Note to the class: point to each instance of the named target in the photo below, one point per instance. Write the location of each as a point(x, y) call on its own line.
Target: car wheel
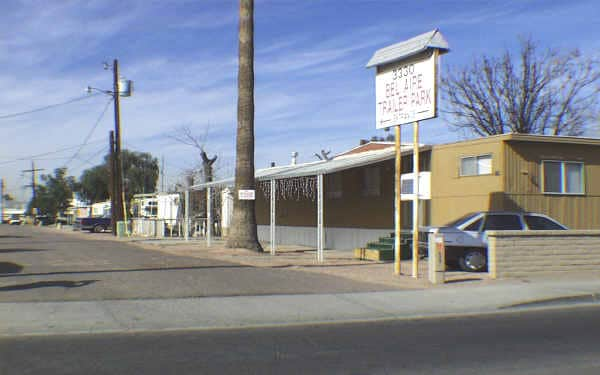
point(473, 261)
point(99, 228)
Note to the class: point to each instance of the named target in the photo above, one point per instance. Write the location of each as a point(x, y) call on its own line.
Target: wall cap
point(543, 233)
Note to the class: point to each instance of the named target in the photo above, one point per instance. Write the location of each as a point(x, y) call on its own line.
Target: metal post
point(273, 238)
point(186, 227)
point(397, 203)
point(320, 231)
point(208, 217)
point(415, 226)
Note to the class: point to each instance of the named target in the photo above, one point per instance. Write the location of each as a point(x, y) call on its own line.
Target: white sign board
point(246, 195)
point(405, 92)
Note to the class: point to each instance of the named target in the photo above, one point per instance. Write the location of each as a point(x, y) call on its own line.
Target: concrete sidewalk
point(47, 318)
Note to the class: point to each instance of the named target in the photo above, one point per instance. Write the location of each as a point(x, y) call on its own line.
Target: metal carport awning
point(313, 169)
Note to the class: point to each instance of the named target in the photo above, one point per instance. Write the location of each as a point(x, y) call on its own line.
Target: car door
point(473, 234)
point(501, 222)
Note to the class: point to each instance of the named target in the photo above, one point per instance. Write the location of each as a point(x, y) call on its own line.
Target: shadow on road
point(121, 270)
point(12, 236)
point(6, 251)
point(8, 267)
point(47, 284)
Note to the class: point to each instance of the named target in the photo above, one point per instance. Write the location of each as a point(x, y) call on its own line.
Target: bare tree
point(541, 93)
point(186, 136)
point(243, 226)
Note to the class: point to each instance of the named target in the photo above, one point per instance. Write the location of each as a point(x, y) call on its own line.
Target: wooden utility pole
point(2, 200)
point(112, 183)
point(33, 180)
point(118, 209)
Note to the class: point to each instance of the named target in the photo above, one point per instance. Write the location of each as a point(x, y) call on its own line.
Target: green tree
point(54, 196)
point(140, 170)
point(243, 227)
point(94, 184)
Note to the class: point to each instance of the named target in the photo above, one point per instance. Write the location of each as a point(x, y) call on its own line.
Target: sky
point(312, 90)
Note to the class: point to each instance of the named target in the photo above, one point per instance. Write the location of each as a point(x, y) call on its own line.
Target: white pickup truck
point(465, 239)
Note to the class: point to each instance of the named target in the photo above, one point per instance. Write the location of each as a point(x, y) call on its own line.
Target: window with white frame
point(563, 177)
point(476, 165)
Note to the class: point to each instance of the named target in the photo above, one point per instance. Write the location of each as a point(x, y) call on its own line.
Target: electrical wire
point(40, 109)
point(38, 156)
point(88, 160)
point(89, 135)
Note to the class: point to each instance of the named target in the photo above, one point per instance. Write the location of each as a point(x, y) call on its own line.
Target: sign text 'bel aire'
point(405, 92)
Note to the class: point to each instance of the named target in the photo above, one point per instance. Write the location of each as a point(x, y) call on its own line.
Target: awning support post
point(208, 217)
point(186, 226)
point(320, 231)
point(273, 238)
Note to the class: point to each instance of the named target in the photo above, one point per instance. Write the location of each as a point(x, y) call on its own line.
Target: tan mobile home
point(553, 175)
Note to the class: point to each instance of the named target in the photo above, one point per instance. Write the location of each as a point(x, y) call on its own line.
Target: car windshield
point(461, 220)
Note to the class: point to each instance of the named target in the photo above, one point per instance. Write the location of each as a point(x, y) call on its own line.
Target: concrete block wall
point(518, 253)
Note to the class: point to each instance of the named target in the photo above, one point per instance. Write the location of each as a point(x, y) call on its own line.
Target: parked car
point(45, 220)
point(465, 238)
point(15, 220)
point(93, 224)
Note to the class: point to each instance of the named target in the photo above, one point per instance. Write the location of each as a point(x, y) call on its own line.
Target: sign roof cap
point(399, 51)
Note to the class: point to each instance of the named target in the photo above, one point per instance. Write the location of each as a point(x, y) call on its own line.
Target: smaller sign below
point(246, 195)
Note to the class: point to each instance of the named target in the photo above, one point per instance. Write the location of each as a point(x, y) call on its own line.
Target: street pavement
point(43, 264)
point(52, 284)
point(550, 342)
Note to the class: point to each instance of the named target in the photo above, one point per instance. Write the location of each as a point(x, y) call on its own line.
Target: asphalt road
point(541, 342)
point(39, 264)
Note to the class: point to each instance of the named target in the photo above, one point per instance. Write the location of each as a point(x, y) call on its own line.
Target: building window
point(407, 186)
point(562, 177)
point(476, 165)
point(371, 182)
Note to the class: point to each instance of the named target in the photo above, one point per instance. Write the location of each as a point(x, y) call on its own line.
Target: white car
point(465, 239)
point(15, 220)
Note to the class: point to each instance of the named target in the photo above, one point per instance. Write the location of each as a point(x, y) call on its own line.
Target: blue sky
point(312, 89)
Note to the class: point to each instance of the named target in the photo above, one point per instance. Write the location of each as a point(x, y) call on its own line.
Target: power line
point(35, 157)
point(40, 109)
point(88, 161)
point(87, 138)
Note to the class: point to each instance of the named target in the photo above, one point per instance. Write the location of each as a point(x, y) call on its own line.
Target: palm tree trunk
point(243, 226)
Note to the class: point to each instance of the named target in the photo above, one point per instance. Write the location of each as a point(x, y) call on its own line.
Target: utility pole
point(33, 179)
point(162, 174)
point(112, 184)
point(2, 200)
point(118, 209)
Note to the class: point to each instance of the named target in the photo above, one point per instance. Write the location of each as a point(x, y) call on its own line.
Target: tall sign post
point(406, 92)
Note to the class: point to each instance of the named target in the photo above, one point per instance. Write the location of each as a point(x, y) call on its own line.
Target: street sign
point(246, 195)
point(405, 91)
